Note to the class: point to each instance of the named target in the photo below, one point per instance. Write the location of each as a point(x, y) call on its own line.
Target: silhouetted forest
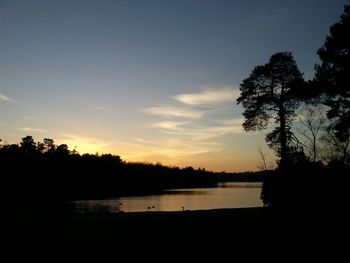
point(258, 176)
point(311, 130)
point(42, 176)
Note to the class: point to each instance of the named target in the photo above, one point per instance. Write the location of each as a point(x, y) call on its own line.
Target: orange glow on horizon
point(84, 145)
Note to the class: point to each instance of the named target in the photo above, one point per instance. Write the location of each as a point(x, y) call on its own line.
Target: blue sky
point(148, 80)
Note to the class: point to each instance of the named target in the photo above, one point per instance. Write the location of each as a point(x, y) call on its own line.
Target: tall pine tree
point(270, 93)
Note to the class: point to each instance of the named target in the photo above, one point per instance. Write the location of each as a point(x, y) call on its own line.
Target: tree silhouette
point(333, 75)
point(263, 165)
point(270, 92)
point(28, 145)
point(312, 120)
point(62, 150)
point(337, 150)
point(49, 145)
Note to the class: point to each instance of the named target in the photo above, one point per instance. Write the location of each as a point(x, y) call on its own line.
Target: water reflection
point(226, 195)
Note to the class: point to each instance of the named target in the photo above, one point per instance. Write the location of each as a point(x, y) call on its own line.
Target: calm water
point(226, 195)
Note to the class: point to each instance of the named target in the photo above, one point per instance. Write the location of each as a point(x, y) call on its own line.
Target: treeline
point(43, 176)
point(258, 176)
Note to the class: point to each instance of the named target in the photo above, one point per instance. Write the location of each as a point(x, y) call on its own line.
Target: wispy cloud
point(208, 96)
point(221, 130)
point(161, 149)
point(170, 125)
point(4, 98)
point(207, 132)
point(186, 128)
point(174, 142)
point(172, 111)
point(28, 129)
point(182, 141)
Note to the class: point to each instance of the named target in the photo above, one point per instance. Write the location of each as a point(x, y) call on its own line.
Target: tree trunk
point(283, 138)
point(314, 149)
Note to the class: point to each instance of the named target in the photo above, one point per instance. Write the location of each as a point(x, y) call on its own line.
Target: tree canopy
point(270, 92)
point(333, 75)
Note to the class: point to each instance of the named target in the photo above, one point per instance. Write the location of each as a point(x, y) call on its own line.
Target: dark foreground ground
point(246, 224)
point(222, 235)
point(145, 225)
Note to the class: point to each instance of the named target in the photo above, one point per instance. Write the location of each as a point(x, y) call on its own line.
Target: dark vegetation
point(42, 177)
point(307, 186)
point(314, 160)
point(258, 176)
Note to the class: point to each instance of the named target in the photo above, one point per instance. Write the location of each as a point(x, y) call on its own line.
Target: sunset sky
point(149, 80)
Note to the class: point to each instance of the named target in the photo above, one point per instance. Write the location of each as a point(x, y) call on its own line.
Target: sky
point(151, 81)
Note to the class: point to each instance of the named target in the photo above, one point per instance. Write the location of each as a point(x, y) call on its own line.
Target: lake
point(225, 195)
